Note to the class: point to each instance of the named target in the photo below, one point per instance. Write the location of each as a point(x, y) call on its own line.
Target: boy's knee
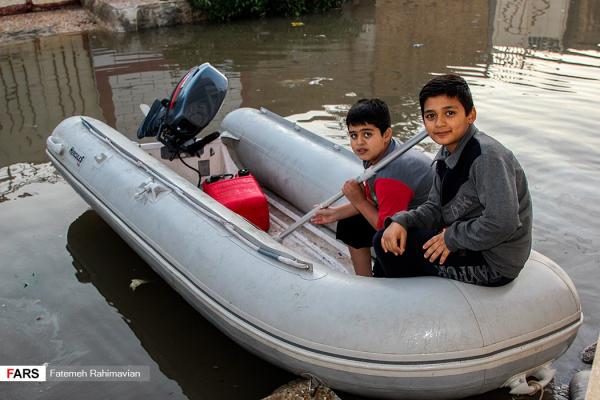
point(377, 242)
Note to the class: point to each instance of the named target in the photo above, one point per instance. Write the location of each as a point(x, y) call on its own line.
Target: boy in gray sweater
point(476, 224)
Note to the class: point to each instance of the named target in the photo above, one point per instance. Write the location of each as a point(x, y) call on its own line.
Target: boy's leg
point(464, 265)
point(411, 262)
point(357, 233)
point(361, 259)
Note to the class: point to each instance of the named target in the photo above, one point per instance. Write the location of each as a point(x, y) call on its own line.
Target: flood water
point(534, 70)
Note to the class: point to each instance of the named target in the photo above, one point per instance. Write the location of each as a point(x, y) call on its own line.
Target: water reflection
point(384, 48)
point(379, 48)
point(41, 82)
point(537, 24)
point(188, 349)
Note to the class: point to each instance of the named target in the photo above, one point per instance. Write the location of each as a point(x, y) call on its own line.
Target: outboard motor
point(194, 103)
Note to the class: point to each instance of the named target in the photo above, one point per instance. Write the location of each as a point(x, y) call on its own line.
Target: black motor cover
point(193, 104)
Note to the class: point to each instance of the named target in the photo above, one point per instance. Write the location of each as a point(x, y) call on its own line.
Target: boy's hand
point(436, 248)
point(324, 216)
point(394, 239)
point(353, 191)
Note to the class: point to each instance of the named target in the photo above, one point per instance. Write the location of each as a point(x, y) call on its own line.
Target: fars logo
point(22, 373)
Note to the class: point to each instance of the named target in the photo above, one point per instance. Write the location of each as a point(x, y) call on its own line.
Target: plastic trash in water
point(137, 282)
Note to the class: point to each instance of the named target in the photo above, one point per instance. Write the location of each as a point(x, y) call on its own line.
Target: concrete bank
point(31, 25)
point(18, 22)
point(593, 389)
point(134, 15)
point(9, 7)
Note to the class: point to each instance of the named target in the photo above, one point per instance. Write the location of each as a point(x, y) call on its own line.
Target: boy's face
point(446, 121)
point(368, 143)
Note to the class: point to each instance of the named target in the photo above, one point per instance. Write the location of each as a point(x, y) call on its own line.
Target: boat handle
point(145, 187)
point(150, 189)
point(55, 145)
point(520, 386)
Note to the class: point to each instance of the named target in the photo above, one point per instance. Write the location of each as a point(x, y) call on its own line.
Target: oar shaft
point(308, 216)
point(369, 172)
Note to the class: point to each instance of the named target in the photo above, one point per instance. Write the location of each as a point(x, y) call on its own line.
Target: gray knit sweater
point(480, 195)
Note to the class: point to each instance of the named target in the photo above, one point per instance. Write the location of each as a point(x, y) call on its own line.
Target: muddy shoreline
point(31, 25)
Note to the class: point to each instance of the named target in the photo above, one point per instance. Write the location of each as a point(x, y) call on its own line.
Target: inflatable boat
point(207, 215)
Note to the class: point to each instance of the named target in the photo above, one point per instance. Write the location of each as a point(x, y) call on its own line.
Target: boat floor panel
point(315, 243)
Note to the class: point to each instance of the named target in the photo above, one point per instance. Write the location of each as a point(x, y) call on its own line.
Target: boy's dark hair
point(451, 85)
point(369, 111)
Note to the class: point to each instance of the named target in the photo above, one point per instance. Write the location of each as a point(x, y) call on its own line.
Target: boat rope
point(538, 387)
point(266, 251)
point(246, 237)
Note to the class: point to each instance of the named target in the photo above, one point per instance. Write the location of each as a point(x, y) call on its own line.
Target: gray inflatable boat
point(296, 302)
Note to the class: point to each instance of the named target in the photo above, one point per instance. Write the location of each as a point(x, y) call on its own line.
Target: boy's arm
point(427, 216)
point(355, 193)
point(369, 211)
point(495, 182)
point(329, 215)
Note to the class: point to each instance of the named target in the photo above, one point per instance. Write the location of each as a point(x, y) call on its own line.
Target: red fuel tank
point(243, 195)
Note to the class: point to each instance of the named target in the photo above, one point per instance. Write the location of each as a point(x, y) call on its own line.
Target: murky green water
point(534, 68)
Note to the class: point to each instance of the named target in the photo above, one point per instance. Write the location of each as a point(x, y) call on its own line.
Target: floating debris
point(137, 282)
point(296, 24)
point(350, 94)
point(318, 80)
point(291, 83)
point(418, 45)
